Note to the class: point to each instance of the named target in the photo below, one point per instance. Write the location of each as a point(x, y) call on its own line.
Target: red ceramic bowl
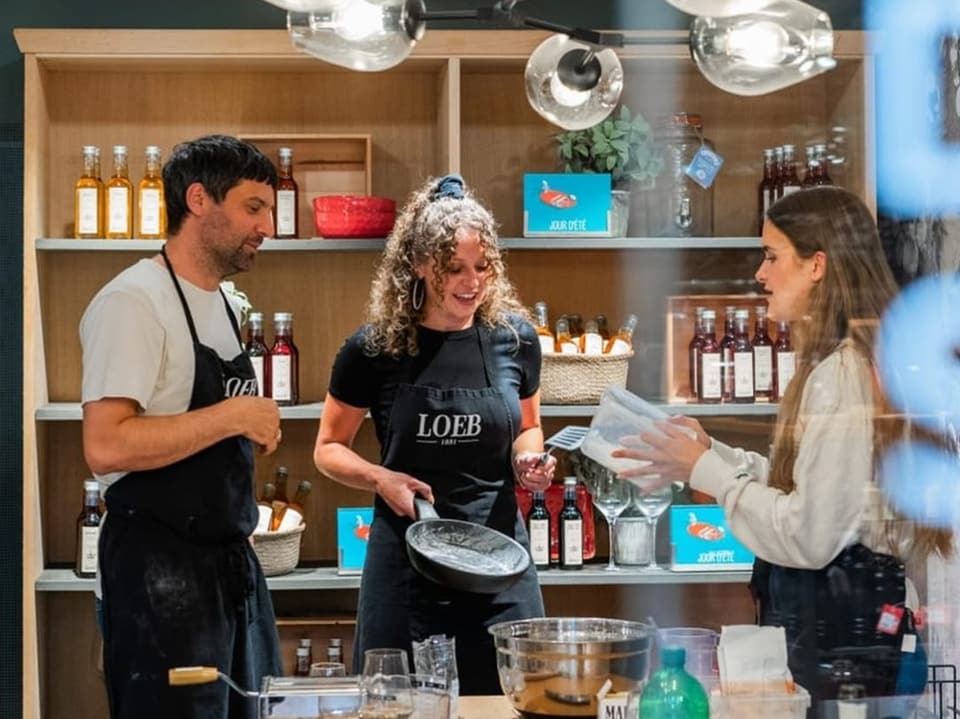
point(353, 216)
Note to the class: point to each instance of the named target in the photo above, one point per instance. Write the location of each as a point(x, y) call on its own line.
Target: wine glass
point(610, 496)
point(388, 692)
point(652, 503)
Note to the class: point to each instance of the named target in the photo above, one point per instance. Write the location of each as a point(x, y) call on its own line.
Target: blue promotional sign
point(566, 205)
point(353, 530)
point(700, 540)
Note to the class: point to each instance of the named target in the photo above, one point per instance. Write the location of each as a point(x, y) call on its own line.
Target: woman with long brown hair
point(448, 367)
point(830, 550)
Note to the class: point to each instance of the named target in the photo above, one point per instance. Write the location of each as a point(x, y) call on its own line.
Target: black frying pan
point(463, 555)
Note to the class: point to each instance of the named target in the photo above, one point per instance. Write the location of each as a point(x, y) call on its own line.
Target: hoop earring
point(418, 294)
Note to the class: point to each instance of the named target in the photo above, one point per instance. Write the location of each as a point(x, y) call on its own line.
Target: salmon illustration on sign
point(556, 198)
point(361, 530)
point(704, 530)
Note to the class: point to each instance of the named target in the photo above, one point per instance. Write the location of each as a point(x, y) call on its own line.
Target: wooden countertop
point(488, 707)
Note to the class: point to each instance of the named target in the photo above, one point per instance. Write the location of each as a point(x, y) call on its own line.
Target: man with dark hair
point(170, 420)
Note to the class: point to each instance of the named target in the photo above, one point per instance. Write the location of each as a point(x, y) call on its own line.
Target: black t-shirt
point(446, 360)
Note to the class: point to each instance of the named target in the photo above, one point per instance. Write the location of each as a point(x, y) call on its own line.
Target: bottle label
point(763, 367)
point(619, 347)
point(786, 366)
point(710, 384)
point(592, 344)
point(118, 213)
point(790, 189)
point(257, 363)
point(743, 374)
point(88, 211)
point(546, 345)
point(540, 541)
point(568, 347)
point(281, 386)
point(149, 212)
point(89, 539)
point(572, 542)
point(286, 213)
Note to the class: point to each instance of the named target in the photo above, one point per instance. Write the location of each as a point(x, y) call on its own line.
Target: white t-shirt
point(137, 344)
point(836, 501)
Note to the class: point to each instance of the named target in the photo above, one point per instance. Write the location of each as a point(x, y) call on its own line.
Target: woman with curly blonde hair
point(448, 367)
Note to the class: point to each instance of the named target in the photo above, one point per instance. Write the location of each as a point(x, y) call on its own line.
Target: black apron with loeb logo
point(459, 441)
point(181, 584)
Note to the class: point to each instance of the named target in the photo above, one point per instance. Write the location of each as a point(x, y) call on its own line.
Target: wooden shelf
point(322, 244)
point(72, 412)
point(326, 578)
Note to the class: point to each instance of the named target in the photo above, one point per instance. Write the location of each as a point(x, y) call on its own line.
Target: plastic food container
point(620, 414)
point(353, 216)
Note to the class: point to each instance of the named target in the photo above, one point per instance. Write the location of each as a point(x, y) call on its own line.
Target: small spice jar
point(685, 208)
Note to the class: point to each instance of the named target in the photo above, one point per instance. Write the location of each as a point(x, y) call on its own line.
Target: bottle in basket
point(565, 343)
point(548, 343)
point(622, 342)
point(591, 342)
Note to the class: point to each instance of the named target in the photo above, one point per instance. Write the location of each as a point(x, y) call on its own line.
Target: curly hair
point(427, 229)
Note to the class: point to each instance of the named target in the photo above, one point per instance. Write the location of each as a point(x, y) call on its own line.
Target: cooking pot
point(463, 555)
point(554, 667)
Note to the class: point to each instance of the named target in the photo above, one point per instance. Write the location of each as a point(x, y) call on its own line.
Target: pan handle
point(182, 676)
point(424, 509)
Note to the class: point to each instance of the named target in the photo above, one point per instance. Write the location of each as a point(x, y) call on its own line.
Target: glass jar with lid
point(685, 207)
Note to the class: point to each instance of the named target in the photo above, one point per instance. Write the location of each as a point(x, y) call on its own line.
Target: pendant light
point(573, 84)
point(367, 35)
point(781, 44)
point(711, 8)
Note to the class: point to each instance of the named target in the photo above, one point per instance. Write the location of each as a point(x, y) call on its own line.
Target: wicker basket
point(278, 552)
point(580, 379)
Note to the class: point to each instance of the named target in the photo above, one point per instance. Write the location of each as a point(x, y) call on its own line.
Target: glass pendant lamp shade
point(365, 35)
point(781, 44)
point(572, 84)
point(711, 8)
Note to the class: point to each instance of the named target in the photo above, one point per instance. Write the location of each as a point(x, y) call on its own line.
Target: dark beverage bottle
point(709, 379)
point(767, 190)
point(726, 355)
point(302, 668)
point(778, 171)
point(335, 650)
point(743, 384)
point(88, 530)
point(604, 328)
point(286, 198)
point(784, 360)
point(823, 169)
point(693, 355)
point(258, 353)
point(789, 180)
point(810, 176)
point(571, 528)
point(307, 643)
point(284, 361)
point(538, 527)
point(762, 359)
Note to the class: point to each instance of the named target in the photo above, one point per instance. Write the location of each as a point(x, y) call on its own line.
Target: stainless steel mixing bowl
point(554, 667)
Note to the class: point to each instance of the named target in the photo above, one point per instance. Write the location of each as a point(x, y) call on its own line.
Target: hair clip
point(448, 186)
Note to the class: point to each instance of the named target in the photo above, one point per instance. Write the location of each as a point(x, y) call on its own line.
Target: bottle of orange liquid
point(565, 343)
point(622, 341)
point(548, 343)
point(591, 341)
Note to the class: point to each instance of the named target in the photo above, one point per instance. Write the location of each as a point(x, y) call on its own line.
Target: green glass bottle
point(672, 692)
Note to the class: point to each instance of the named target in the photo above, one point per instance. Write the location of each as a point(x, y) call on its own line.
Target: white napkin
point(753, 660)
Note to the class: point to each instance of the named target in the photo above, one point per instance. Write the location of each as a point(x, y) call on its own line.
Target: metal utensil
point(569, 438)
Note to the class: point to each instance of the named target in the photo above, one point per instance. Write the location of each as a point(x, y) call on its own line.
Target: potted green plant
point(622, 145)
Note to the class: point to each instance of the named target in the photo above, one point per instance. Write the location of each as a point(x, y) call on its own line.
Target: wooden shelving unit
point(457, 105)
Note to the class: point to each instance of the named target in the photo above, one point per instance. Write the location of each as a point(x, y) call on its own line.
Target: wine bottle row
point(738, 368)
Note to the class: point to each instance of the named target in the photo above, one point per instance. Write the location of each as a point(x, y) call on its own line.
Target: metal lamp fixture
point(574, 78)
